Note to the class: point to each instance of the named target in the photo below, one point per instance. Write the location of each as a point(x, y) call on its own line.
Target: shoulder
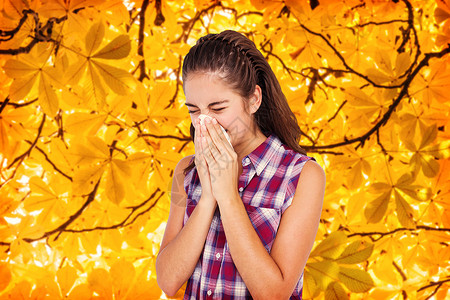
point(313, 170)
point(183, 163)
point(312, 178)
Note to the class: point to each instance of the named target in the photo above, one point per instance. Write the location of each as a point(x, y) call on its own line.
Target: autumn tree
point(92, 124)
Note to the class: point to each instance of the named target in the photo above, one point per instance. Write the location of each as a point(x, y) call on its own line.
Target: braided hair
point(235, 59)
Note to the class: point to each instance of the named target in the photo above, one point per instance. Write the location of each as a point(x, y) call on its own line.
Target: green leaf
point(335, 291)
point(118, 48)
point(357, 281)
point(356, 252)
point(332, 246)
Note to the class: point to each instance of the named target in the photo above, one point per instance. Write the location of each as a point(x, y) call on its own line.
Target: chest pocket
point(266, 222)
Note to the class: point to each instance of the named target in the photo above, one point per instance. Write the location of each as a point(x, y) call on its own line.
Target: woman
point(243, 217)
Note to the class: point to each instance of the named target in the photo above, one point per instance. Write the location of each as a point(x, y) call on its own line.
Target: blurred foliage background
point(92, 124)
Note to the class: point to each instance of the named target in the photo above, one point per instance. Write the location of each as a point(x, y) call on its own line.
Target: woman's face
point(207, 94)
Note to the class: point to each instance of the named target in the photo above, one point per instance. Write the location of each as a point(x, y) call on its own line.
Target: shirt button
point(247, 160)
point(218, 255)
point(241, 189)
point(209, 292)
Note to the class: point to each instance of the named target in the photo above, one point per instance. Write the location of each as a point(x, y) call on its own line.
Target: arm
point(274, 275)
point(181, 246)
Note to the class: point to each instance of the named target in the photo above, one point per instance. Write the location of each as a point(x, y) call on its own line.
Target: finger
point(206, 151)
point(215, 132)
point(212, 147)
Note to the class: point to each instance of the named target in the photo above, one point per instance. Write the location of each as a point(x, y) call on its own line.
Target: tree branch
point(124, 222)
point(403, 92)
point(140, 50)
point(387, 233)
point(72, 218)
point(26, 153)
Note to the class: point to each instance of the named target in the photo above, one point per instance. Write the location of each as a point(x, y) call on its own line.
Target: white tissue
point(202, 118)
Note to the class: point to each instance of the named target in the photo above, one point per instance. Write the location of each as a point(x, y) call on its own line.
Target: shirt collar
point(261, 156)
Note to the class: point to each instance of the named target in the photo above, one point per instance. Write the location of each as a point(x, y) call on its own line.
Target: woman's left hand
point(221, 160)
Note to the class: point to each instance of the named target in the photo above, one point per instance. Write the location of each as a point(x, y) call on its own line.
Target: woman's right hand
point(202, 167)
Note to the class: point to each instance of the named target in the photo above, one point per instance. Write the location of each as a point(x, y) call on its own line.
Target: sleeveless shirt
point(266, 186)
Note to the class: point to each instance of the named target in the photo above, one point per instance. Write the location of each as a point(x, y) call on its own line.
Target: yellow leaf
point(428, 136)
point(112, 239)
point(335, 291)
point(5, 276)
point(100, 282)
point(355, 177)
point(332, 246)
point(16, 68)
point(404, 211)
point(21, 87)
point(402, 63)
point(122, 275)
point(75, 71)
point(21, 290)
point(357, 97)
point(94, 87)
point(376, 209)
point(120, 81)
point(441, 15)
point(93, 150)
point(66, 278)
point(47, 98)
point(357, 281)
point(355, 205)
point(87, 124)
point(118, 172)
point(118, 48)
point(377, 76)
point(81, 292)
point(383, 60)
point(324, 272)
point(94, 37)
point(430, 166)
point(86, 178)
point(356, 252)
point(90, 241)
point(7, 204)
point(310, 289)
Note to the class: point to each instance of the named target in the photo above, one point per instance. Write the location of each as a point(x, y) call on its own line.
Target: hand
point(202, 168)
point(221, 160)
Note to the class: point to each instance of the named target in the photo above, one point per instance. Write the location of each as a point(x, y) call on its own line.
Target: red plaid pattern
point(267, 186)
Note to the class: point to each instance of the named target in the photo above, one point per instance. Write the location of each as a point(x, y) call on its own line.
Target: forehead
point(203, 88)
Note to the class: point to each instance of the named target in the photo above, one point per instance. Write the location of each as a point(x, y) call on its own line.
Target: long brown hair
point(237, 61)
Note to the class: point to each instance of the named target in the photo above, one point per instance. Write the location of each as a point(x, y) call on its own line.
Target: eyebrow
point(209, 105)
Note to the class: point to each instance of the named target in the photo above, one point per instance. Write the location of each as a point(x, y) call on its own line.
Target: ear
point(255, 100)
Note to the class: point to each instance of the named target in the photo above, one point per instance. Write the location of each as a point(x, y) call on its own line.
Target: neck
point(248, 143)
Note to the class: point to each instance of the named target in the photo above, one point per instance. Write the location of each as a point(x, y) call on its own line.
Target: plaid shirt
point(267, 186)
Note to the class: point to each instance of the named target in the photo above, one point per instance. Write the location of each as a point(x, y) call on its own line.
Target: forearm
point(257, 268)
point(176, 262)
